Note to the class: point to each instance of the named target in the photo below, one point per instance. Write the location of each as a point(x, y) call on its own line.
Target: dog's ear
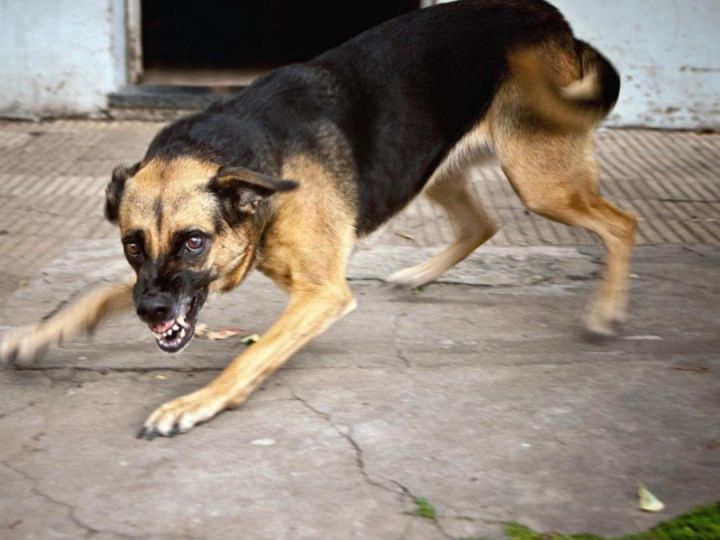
point(240, 190)
point(114, 190)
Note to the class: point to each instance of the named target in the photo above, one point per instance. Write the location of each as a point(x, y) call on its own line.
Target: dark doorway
point(202, 42)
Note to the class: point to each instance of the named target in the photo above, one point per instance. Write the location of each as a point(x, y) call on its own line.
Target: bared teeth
point(171, 333)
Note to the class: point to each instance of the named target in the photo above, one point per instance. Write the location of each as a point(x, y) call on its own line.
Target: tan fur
point(181, 185)
point(551, 165)
point(555, 174)
point(550, 80)
point(309, 235)
point(449, 187)
point(178, 186)
point(79, 318)
point(307, 246)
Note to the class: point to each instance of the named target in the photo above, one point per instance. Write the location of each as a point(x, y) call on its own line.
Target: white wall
point(63, 56)
point(60, 57)
point(668, 52)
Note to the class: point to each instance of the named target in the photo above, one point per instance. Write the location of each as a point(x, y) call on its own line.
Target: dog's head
point(188, 228)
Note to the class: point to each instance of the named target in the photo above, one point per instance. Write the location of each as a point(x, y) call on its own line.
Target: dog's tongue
point(159, 328)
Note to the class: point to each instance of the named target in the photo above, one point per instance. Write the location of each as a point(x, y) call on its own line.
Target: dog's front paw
point(24, 345)
point(180, 415)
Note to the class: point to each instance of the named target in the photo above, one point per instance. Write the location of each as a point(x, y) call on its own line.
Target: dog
point(288, 174)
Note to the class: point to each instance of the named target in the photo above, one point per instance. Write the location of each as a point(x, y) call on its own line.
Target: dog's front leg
point(308, 314)
point(27, 343)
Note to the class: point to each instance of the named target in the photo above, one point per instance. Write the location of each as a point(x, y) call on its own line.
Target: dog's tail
point(577, 106)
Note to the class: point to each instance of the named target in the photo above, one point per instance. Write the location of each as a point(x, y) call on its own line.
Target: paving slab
point(481, 393)
point(53, 176)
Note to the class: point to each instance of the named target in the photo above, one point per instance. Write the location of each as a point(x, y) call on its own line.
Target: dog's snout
point(155, 307)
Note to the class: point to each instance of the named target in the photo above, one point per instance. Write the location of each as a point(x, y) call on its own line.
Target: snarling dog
point(285, 176)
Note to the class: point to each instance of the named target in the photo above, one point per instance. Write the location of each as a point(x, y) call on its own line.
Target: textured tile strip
point(53, 175)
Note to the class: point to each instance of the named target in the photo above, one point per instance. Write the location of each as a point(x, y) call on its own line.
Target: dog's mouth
point(174, 335)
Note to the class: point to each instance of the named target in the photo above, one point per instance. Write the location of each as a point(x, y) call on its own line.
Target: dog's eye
point(194, 243)
point(133, 249)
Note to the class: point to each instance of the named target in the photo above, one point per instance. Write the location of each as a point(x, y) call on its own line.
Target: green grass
point(703, 523)
point(424, 509)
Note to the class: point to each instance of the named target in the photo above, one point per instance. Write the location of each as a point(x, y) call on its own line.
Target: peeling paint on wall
point(667, 52)
point(58, 57)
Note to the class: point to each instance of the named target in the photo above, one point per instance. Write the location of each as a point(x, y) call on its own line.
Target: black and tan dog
point(287, 175)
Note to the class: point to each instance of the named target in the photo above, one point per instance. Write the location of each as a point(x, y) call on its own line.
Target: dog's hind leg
point(555, 175)
point(25, 344)
point(471, 225)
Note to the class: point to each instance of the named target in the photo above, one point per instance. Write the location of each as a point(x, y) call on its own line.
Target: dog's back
point(412, 87)
point(413, 103)
point(395, 100)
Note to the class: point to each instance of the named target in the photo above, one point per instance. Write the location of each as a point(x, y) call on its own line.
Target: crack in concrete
point(434, 520)
point(440, 281)
point(19, 409)
point(401, 355)
point(696, 252)
point(399, 352)
point(70, 509)
point(678, 282)
point(108, 370)
point(360, 461)
point(360, 457)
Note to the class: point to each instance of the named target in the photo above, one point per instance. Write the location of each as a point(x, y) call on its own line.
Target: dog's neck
point(253, 232)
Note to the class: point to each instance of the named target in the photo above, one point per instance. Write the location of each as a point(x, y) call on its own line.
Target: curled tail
point(579, 105)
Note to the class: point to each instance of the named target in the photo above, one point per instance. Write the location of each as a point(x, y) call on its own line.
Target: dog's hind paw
point(602, 319)
point(605, 313)
point(599, 326)
point(410, 277)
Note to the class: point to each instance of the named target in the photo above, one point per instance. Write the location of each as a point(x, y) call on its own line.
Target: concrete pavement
point(481, 394)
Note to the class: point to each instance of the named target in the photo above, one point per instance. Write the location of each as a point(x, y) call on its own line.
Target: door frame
point(133, 23)
point(134, 57)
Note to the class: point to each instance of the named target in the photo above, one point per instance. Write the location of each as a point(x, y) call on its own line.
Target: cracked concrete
point(481, 394)
point(346, 432)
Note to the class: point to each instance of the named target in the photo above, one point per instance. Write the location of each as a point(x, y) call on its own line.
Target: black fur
point(160, 278)
point(609, 77)
point(114, 190)
point(390, 102)
point(240, 190)
point(169, 274)
point(158, 210)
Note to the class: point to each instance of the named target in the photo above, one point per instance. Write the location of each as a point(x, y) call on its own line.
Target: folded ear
point(114, 190)
point(240, 190)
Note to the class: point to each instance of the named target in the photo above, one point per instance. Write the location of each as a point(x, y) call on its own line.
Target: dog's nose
point(155, 308)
